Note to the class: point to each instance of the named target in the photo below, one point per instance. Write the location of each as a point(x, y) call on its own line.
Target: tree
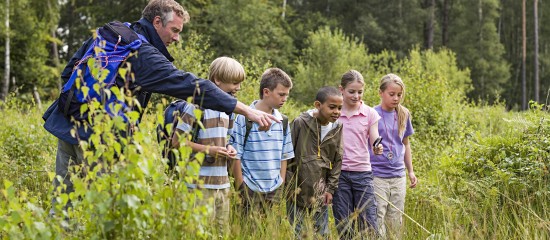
point(536, 53)
point(248, 28)
point(473, 36)
point(6, 85)
point(31, 23)
point(429, 5)
point(523, 57)
point(328, 55)
point(445, 22)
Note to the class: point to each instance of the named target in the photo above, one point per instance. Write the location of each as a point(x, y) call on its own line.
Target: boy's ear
point(216, 81)
point(266, 91)
point(317, 104)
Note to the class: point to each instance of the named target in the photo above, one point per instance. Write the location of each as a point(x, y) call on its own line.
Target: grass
point(450, 202)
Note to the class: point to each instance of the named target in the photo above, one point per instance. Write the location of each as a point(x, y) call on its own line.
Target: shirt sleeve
point(154, 73)
point(409, 128)
point(231, 126)
point(187, 118)
point(373, 116)
point(288, 148)
point(237, 138)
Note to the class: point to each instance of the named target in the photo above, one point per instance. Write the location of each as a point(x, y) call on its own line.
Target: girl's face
point(391, 96)
point(352, 93)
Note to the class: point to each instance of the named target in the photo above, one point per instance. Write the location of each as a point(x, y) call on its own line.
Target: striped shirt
point(217, 126)
point(263, 152)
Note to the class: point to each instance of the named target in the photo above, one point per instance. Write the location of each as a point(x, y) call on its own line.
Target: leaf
point(122, 73)
point(103, 74)
point(83, 108)
point(131, 200)
point(85, 90)
point(7, 183)
point(94, 70)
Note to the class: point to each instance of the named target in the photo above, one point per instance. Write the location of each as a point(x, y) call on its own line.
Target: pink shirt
point(356, 139)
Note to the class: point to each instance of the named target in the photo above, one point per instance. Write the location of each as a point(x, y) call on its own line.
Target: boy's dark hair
point(273, 77)
point(326, 92)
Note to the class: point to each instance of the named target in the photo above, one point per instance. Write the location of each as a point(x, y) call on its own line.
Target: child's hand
point(216, 151)
point(327, 197)
point(413, 180)
point(378, 150)
point(231, 152)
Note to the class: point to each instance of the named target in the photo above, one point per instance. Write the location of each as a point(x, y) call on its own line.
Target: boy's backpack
point(166, 132)
point(96, 72)
point(171, 114)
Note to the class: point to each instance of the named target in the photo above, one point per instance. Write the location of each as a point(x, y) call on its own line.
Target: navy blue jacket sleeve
point(154, 73)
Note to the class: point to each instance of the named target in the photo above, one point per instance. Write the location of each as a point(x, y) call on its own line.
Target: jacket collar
point(311, 122)
point(145, 28)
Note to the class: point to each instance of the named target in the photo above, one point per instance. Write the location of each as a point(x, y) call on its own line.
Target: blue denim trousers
point(297, 214)
point(355, 194)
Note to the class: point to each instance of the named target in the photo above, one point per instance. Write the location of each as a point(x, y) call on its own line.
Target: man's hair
point(325, 92)
point(226, 70)
point(165, 9)
point(273, 77)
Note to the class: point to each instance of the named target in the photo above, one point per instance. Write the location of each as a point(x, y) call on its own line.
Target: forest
point(478, 83)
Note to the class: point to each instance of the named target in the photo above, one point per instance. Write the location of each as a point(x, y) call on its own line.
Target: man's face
point(171, 32)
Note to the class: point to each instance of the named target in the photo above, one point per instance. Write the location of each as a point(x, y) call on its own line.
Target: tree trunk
point(429, 5)
point(537, 80)
point(524, 51)
point(36, 97)
point(481, 79)
point(55, 51)
point(284, 9)
point(6, 85)
point(445, 23)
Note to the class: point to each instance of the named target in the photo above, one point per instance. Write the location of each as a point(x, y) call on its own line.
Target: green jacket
point(308, 176)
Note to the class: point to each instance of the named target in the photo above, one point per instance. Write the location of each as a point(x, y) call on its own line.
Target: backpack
point(166, 132)
point(171, 114)
point(96, 72)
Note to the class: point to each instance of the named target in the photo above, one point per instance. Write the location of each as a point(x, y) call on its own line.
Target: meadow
point(483, 171)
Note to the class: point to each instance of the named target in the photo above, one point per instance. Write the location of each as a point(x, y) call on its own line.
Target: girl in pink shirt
point(355, 191)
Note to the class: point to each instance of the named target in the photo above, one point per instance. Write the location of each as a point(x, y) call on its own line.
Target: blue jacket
point(154, 73)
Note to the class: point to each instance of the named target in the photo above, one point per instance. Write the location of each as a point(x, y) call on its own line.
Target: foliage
point(477, 45)
point(249, 28)
point(31, 23)
point(327, 56)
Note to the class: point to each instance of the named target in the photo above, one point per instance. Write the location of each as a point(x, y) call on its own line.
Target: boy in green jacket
point(312, 176)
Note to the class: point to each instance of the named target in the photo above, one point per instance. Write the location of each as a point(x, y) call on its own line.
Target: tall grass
point(467, 191)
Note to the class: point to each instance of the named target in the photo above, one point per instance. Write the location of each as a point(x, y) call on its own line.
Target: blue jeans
point(297, 214)
point(355, 193)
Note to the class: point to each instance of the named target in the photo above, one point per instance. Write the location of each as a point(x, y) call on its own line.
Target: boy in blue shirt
point(261, 159)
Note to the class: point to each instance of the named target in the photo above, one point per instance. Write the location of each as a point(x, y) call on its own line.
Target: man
point(161, 23)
